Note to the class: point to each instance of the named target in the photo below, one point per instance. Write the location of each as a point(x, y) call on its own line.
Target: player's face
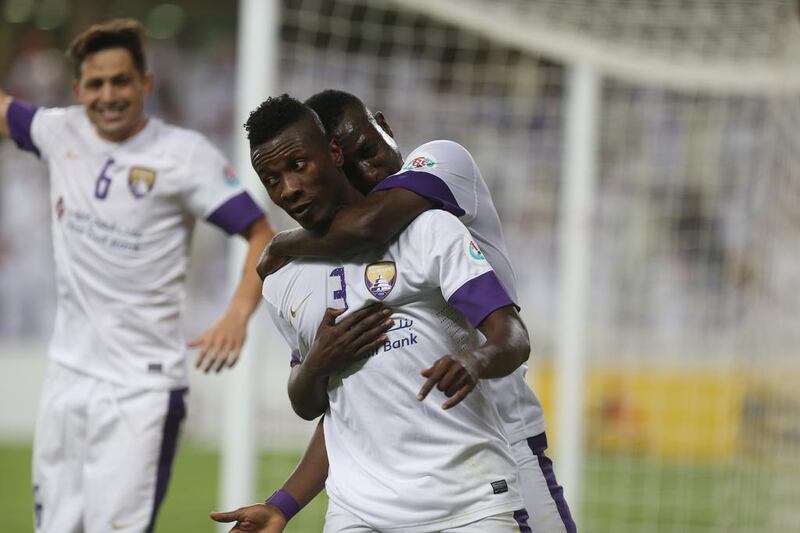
point(370, 153)
point(112, 91)
point(301, 171)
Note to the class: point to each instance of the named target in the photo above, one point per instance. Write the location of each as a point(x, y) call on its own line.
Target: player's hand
point(454, 375)
point(337, 345)
point(221, 344)
point(259, 518)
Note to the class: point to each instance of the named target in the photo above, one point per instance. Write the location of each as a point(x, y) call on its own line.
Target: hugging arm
point(371, 223)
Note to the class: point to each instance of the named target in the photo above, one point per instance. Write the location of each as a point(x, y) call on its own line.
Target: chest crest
point(141, 181)
point(380, 278)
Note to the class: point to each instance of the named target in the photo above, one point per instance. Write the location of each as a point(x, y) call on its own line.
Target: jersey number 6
point(103, 182)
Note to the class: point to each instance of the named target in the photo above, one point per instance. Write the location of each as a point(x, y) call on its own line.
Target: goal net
point(691, 411)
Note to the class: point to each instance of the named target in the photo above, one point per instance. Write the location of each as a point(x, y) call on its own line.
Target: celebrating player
point(437, 174)
point(126, 189)
point(395, 463)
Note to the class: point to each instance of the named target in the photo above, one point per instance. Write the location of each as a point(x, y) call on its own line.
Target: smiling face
point(112, 90)
point(301, 171)
point(370, 152)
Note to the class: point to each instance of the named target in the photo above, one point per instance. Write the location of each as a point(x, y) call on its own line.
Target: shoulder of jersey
point(441, 146)
point(431, 220)
point(436, 154)
point(183, 136)
point(70, 115)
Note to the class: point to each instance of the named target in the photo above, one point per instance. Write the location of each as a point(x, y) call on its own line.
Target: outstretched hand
point(258, 518)
point(221, 344)
point(454, 375)
point(338, 345)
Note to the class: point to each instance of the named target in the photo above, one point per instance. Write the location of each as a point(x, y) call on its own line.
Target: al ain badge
point(380, 278)
point(141, 181)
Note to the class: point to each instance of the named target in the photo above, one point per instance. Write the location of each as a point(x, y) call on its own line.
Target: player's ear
point(76, 89)
point(147, 83)
point(336, 152)
point(381, 120)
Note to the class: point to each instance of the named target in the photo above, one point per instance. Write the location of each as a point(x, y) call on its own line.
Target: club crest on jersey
point(380, 278)
point(141, 181)
point(474, 250)
point(420, 163)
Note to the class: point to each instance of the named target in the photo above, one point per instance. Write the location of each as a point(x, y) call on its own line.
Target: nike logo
point(72, 155)
point(116, 526)
point(296, 309)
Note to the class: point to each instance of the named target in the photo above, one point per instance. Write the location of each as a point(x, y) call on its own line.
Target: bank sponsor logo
point(409, 339)
point(101, 232)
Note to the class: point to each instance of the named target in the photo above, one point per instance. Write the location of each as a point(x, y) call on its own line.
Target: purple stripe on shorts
point(236, 215)
point(538, 445)
point(176, 412)
point(426, 185)
point(19, 118)
point(521, 517)
point(478, 297)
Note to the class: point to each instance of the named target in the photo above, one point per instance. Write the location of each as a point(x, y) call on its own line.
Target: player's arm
point(307, 480)
point(335, 347)
point(371, 223)
point(451, 260)
point(221, 344)
point(507, 347)
point(5, 101)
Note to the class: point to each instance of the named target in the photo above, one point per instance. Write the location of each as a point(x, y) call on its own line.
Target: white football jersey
point(446, 173)
point(399, 464)
point(123, 215)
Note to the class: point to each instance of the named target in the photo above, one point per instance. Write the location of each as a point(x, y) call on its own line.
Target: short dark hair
point(274, 115)
point(115, 33)
point(331, 104)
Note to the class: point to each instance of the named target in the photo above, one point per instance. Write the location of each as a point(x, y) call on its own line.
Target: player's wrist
point(284, 502)
point(472, 363)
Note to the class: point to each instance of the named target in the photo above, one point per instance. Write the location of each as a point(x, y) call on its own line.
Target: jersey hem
point(450, 522)
point(164, 385)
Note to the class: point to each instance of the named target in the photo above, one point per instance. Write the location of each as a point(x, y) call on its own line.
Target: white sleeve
point(452, 260)
point(35, 129)
point(213, 191)
point(445, 173)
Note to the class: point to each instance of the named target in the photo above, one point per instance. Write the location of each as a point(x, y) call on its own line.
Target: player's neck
point(140, 125)
point(350, 196)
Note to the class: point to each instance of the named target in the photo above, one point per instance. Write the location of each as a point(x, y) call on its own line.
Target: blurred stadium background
point(644, 156)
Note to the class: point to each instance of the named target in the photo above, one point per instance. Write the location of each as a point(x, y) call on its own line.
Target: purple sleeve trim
point(285, 503)
point(20, 117)
point(426, 185)
point(236, 215)
point(295, 359)
point(478, 297)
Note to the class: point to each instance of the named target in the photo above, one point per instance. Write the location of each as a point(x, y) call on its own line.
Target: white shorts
point(102, 454)
point(543, 497)
point(338, 520)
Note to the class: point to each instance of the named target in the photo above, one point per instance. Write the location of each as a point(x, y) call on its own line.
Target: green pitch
point(191, 495)
point(623, 494)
